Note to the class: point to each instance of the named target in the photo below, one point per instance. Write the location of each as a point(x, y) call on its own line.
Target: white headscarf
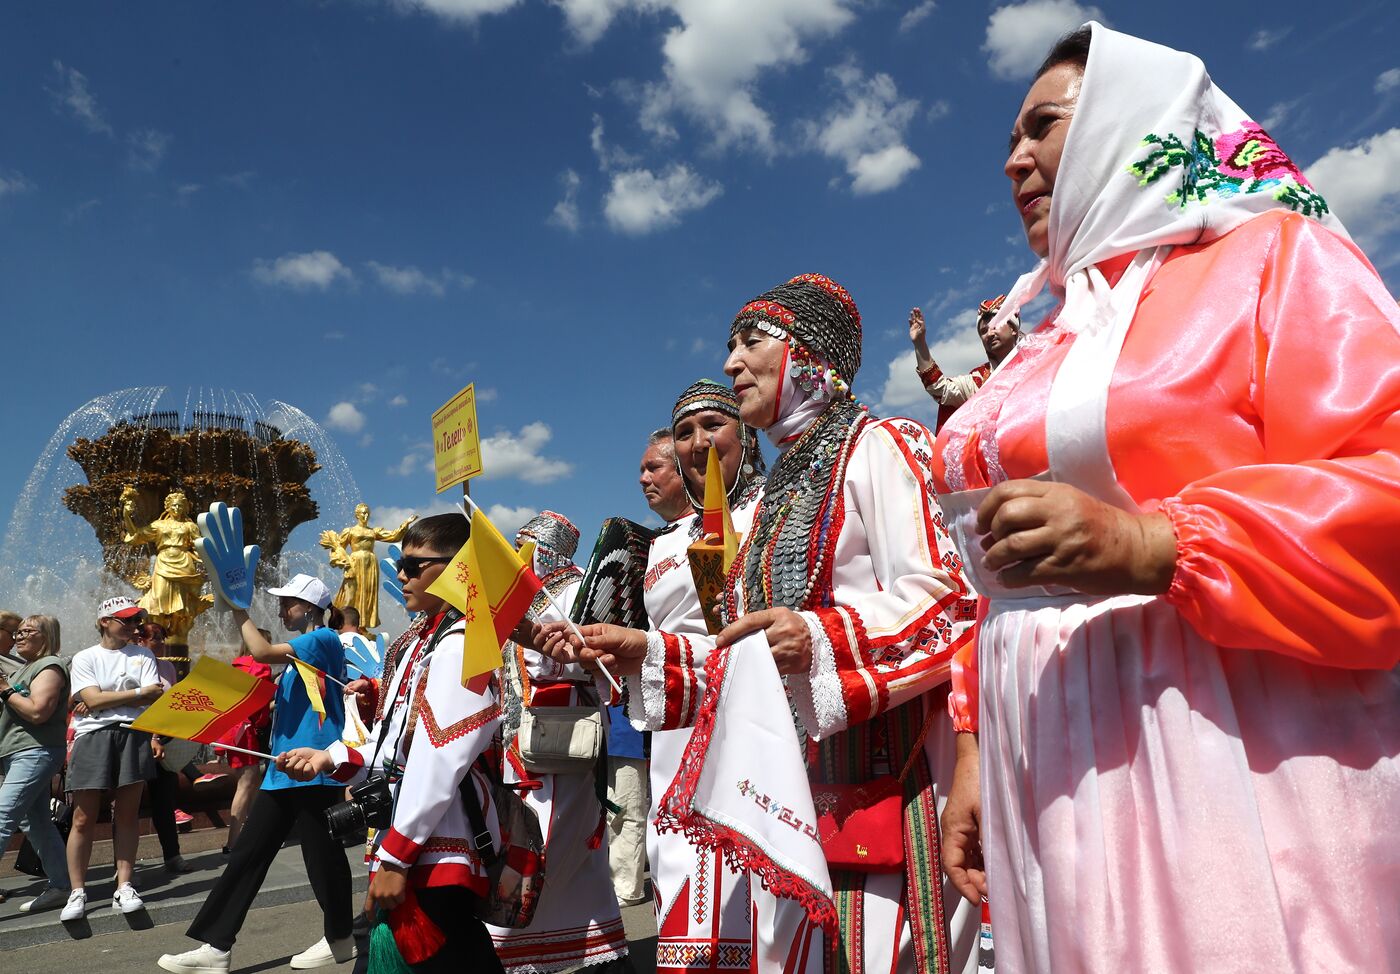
point(1156, 155)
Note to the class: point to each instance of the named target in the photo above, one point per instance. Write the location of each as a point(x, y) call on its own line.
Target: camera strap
point(449, 619)
point(476, 818)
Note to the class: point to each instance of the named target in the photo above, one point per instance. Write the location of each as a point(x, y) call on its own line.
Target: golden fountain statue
point(361, 585)
point(173, 588)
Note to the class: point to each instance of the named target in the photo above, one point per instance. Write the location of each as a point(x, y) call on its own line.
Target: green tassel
point(384, 956)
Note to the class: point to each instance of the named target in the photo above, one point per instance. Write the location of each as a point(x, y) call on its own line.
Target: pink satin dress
point(1208, 780)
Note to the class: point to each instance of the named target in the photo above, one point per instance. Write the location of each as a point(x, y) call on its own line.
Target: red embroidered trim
point(354, 761)
point(440, 736)
point(769, 309)
point(400, 846)
point(929, 375)
point(675, 813)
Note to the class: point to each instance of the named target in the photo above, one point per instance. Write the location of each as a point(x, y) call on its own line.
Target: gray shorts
point(110, 757)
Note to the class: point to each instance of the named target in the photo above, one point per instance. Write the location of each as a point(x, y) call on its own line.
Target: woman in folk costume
point(842, 570)
point(577, 922)
point(1180, 497)
point(702, 906)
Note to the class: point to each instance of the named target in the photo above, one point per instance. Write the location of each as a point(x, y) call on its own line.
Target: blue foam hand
point(389, 575)
point(360, 657)
point(231, 565)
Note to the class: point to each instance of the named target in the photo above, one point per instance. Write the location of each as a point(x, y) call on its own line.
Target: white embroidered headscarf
point(1156, 155)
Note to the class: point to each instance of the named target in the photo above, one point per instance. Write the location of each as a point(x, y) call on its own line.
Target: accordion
point(612, 583)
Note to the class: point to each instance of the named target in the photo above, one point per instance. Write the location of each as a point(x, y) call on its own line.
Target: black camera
point(371, 806)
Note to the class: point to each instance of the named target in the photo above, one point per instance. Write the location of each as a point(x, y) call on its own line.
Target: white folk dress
point(577, 922)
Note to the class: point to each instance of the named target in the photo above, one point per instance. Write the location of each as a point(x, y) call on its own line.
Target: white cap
point(118, 607)
point(308, 588)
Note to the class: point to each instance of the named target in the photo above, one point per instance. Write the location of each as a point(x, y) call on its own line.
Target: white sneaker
point(324, 953)
point(205, 959)
point(48, 898)
point(76, 905)
point(126, 899)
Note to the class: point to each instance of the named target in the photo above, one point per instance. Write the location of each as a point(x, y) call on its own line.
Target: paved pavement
point(286, 921)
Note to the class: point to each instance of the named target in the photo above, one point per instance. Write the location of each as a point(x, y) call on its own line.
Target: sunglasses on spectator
point(411, 566)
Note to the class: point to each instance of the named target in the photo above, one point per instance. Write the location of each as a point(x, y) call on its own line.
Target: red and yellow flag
point(204, 706)
point(492, 587)
point(715, 521)
point(315, 682)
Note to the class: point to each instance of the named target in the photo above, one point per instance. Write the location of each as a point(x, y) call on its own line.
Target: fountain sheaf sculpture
point(361, 585)
point(173, 596)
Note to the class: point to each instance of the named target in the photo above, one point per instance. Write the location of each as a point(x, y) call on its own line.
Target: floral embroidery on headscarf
point(1244, 161)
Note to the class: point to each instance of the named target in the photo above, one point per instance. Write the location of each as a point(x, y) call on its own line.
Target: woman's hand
point(1038, 533)
point(361, 688)
point(917, 328)
point(620, 649)
point(787, 634)
point(962, 824)
point(304, 763)
point(157, 748)
point(388, 888)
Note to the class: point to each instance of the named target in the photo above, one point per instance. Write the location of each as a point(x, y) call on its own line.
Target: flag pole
point(552, 604)
point(244, 750)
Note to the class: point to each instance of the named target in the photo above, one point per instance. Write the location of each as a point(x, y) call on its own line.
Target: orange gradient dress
point(1207, 780)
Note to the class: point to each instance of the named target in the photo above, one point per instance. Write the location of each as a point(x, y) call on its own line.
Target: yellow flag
point(489, 584)
point(315, 682)
point(716, 522)
point(527, 554)
point(207, 704)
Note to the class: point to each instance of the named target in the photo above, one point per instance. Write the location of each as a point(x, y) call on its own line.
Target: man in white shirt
point(111, 684)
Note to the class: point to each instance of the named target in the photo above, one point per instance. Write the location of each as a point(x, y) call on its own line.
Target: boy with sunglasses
point(429, 731)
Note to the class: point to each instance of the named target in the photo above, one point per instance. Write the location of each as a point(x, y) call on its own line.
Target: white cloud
point(716, 55)
point(1279, 112)
point(588, 20)
point(917, 15)
point(392, 515)
point(145, 148)
point(640, 201)
point(345, 418)
point(1387, 81)
point(317, 269)
point(517, 455)
point(487, 394)
point(418, 458)
point(71, 92)
point(412, 280)
point(866, 131)
point(455, 11)
point(565, 212)
point(399, 400)
point(1263, 39)
point(509, 520)
point(13, 185)
point(1358, 184)
point(956, 352)
point(185, 191)
point(610, 157)
point(1020, 35)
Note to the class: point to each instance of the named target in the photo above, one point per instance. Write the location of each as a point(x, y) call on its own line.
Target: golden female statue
point(174, 597)
point(361, 585)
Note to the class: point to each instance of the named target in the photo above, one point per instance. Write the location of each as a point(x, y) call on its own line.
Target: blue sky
point(359, 206)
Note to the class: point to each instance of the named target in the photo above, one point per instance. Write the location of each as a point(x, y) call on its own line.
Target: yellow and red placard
point(456, 440)
point(204, 706)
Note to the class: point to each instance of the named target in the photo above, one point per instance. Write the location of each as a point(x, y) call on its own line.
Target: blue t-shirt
point(294, 723)
point(624, 740)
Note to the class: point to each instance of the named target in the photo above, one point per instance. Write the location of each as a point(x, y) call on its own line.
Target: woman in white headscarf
point(1180, 497)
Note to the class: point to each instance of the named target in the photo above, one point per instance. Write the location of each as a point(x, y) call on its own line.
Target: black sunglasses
point(411, 566)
